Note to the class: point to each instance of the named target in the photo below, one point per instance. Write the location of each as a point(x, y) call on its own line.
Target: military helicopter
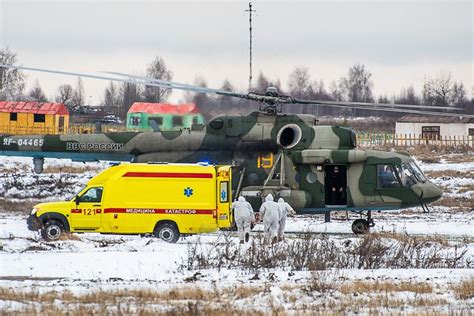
point(313, 167)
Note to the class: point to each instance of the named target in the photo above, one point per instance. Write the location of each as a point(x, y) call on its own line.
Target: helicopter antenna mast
point(250, 47)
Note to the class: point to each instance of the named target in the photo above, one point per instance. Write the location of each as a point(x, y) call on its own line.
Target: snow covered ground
point(130, 274)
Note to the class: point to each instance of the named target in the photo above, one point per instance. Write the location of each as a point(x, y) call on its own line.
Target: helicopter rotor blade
point(127, 79)
point(384, 109)
point(377, 105)
point(177, 85)
point(270, 100)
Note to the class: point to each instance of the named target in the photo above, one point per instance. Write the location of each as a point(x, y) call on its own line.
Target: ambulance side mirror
point(76, 199)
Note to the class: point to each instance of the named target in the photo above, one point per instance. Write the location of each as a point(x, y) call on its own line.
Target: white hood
point(280, 200)
point(269, 198)
point(241, 199)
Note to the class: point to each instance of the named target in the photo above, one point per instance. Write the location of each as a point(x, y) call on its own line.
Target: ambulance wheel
point(52, 230)
point(167, 232)
point(360, 226)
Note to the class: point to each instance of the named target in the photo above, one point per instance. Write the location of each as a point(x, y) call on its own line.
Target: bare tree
point(263, 83)
point(357, 86)
point(383, 99)
point(317, 91)
point(78, 97)
point(335, 91)
point(112, 96)
point(129, 93)
point(459, 98)
point(408, 96)
point(12, 81)
point(437, 90)
point(299, 84)
point(443, 91)
point(65, 94)
point(36, 93)
point(158, 70)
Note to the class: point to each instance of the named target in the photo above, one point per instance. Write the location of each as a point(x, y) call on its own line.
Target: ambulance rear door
point(224, 196)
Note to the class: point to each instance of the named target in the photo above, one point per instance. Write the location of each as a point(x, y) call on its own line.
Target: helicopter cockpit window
point(417, 171)
point(386, 177)
point(406, 175)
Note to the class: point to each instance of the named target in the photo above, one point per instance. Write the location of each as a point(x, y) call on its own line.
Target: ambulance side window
point(92, 195)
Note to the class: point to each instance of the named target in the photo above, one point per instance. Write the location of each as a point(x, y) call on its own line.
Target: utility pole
point(250, 50)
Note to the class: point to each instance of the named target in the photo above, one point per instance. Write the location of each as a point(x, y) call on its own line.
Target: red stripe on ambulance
point(167, 175)
point(158, 211)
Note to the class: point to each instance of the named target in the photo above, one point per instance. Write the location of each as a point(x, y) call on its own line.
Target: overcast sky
point(400, 42)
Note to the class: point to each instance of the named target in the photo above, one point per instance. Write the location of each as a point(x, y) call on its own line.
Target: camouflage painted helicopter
point(315, 168)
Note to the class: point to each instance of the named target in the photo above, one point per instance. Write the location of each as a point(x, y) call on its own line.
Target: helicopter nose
point(431, 193)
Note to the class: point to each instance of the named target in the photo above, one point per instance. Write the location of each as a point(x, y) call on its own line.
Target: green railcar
point(165, 117)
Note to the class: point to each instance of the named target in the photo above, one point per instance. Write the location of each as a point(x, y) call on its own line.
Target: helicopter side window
point(386, 177)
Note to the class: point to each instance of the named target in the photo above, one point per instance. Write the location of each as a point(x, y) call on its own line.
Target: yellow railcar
point(33, 118)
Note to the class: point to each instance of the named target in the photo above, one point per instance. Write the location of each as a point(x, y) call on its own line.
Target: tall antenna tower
point(250, 47)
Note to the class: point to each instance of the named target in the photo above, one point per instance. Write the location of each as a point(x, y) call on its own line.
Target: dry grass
point(452, 154)
point(21, 207)
point(314, 252)
point(359, 296)
point(464, 290)
point(386, 286)
point(69, 236)
point(177, 301)
point(70, 169)
point(385, 302)
point(404, 238)
point(468, 156)
point(466, 188)
point(448, 173)
point(456, 204)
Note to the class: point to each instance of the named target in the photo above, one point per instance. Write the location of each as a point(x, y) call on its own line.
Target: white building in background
point(430, 127)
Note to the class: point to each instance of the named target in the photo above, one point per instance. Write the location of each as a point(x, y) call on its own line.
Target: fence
point(403, 140)
point(73, 129)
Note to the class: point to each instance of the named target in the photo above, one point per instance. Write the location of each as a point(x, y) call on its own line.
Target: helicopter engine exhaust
point(289, 136)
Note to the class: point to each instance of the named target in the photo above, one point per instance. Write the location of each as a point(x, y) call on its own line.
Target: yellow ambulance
point(166, 200)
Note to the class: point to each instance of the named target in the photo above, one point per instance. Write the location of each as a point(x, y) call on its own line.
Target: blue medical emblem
point(223, 195)
point(188, 191)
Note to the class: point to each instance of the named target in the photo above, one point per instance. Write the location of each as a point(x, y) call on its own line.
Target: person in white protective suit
point(269, 213)
point(244, 217)
point(284, 210)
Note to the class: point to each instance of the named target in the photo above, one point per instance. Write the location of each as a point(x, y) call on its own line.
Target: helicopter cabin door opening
point(335, 184)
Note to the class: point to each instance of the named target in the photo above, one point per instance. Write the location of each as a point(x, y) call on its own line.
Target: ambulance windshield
point(78, 191)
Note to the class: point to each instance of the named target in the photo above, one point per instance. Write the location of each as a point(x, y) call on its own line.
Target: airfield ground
point(412, 262)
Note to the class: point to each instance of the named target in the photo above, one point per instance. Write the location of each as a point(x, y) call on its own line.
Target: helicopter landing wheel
point(360, 226)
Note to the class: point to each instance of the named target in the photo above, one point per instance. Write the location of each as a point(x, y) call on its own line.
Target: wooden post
point(327, 217)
